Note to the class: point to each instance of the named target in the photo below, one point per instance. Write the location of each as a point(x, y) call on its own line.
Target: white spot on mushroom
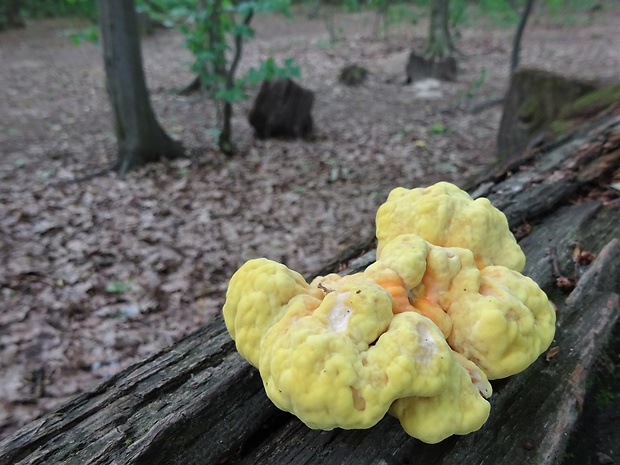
point(338, 317)
point(479, 383)
point(427, 345)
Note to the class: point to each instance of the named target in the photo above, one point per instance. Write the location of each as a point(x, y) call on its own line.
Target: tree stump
point(535, 98)
point(199, 402)
point(419, 68)
point(282, 108)
point(352, 75)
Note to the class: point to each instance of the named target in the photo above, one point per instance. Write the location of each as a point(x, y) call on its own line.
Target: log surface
point(198, 401)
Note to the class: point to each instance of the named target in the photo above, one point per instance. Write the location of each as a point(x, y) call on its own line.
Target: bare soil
point(101, 273)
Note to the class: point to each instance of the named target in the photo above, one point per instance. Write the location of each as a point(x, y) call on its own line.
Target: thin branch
point(238, 49)
point(516, 47)
point(480, 107)
point(88, 176)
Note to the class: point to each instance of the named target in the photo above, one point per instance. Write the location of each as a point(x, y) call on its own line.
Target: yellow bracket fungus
point(418, 334)
point(447, 216)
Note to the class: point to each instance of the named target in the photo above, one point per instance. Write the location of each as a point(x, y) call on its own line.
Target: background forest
point(100, 270)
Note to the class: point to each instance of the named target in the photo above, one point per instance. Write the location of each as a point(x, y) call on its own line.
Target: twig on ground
point(88, 176)
point(480, 107)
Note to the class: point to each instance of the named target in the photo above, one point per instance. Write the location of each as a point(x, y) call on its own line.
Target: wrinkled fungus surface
point(418, 334)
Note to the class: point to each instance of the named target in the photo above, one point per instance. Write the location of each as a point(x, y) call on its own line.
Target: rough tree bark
point(140, 137)
point(282, 108)
point(439, 44)
point(534, 99)
point(199, 402)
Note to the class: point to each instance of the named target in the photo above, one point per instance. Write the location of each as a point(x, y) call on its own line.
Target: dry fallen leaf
point(523, 230)
point(552, 352)
point(565, 284)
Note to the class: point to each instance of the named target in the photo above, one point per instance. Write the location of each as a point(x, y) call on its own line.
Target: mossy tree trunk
point(534, 100)
point(140, 137)
point(439, 43)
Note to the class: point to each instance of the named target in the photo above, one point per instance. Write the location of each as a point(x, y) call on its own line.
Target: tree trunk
point(140, 137)
point(10, 17)
point(439, 43)
point(381, 16)
point(225, 140)
point(200, 402)
point(516, 47)
point(438, 60)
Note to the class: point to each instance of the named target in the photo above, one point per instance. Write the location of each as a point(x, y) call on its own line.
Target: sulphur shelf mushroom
point(418, 334)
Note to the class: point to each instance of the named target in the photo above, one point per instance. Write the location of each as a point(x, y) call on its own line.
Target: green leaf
point(438, 129)
point(231, 95)
point(214, 132)
point(270, 70)
point(242, 30)
point(117, 287)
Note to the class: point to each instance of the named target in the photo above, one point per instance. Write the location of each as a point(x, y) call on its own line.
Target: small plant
point(606, 397)
point(336, 171)
point(437, 129)
point(388, 13)
point(352, 75)
point(87, 34)
point(117, 287)
point(351, 6)
point(501, 13)
point(476, 84)
point(401, 14)
point(215, 33)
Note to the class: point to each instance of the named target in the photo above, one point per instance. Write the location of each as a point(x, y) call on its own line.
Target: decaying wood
point(282, 108)
point(534, 99)
point(199, 402)
point(421, 67)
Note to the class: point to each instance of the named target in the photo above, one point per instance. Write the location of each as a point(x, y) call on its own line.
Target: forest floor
point(100, 273)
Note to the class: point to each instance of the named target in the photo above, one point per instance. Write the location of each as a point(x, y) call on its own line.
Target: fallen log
point(198, 401)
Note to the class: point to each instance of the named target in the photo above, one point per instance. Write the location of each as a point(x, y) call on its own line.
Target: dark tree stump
point(419, 67)
point(199, 402)
point(282, 109)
